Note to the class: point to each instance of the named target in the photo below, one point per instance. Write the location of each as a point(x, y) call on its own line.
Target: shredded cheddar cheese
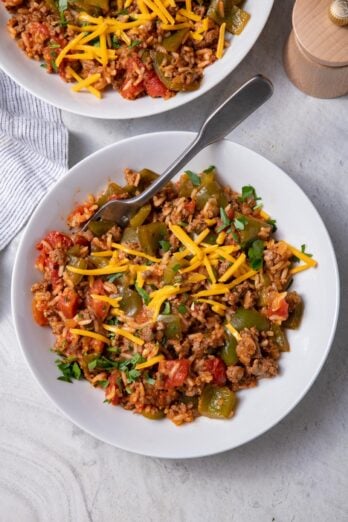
point(301, 255)
point(233, 331)
point(230, 271)
point(149, 362)
point(113, 301)
point(105, 270)
point(221, 41)
point(136, 253)
point(121, 331)
point(87, 333)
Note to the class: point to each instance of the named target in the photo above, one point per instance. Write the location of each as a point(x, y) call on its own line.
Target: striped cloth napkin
point(33, 154)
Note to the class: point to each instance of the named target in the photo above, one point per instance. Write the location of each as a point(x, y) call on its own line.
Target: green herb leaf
point(76, 371)
point(149, 380)
point(225, 220)
point(113, 349)
point(92, 364)
point(143, 294)
point(183, 223)
point(134, 43)
point(107, 401)
point(122, 12)
point(116, 44)
point(166, 308)
point(255, 254)
point(182, 309)
point(248, 192)
point(273, 224)
point(303, 250)
point(209, 169)
point(113, 321)
point(43, 65)
point(133, 375)
point(165, 245)
point(113, 277)
point(103, 384)
point(194, 178)
point(176, 268)
point(53, 45)
point(240, 223)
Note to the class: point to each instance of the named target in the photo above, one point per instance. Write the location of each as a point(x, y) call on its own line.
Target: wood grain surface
point(51, 471)
point(323, 41)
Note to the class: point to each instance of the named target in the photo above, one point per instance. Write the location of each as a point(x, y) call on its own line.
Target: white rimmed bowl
point(52, 89)
point(260, 408)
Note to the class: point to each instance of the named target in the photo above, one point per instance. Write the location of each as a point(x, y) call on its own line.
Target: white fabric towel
point(33, 154)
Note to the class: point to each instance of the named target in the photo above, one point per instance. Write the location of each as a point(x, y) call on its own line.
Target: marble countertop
point(51, 470)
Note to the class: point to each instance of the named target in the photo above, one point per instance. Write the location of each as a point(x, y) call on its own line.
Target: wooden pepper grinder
point(316, 53)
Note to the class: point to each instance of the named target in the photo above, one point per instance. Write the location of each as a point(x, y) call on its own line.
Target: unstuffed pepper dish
point(180, 310)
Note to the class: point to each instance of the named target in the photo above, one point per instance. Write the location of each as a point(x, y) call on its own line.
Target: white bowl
point(260, 408)
point(51, 88)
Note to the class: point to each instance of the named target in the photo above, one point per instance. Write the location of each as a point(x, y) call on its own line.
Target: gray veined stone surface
point(50, 470)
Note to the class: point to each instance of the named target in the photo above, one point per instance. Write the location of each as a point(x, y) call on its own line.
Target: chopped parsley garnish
point(54, 45)
point(240, 222)
point(113, 349)
point(128, 367)
point(273, 223)
point(194, 178)
point(225, 220)
point(149, 379)
point(62, 5)
point(122, 12)
point(92, 364)
point(248, 192)
point(165, 245)
point(303, 250)
point(115, 42)
point(143, 294)
point(104, 383)
point(209, 169)
point(113, 321)
point(113, 277)
point(134, 43)
point(176, 268)
point(166, 309)
point(69, 369)
point(43, 65)
point(183, 223)
point(255, 254)
point(182, 309)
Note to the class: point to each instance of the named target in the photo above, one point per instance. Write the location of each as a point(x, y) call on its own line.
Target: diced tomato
point(190, 206)
point(55, 240)
point(154, 87)
point(176, 372)
point(38, 310)
point(278, 308)
point(99, 308)
point(81, 240)
point(131, 89)
point(68, 303)
point(112, 392)
point(79, 215)
point(217, 368)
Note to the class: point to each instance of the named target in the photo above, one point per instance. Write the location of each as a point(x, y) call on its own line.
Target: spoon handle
point(223, 120)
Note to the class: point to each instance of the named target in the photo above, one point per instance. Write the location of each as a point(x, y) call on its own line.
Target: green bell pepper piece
point(150, 236)
point(221, 11)
point(172, 269)
point(279, 338)
point(172, 326)
point(153, 414)
point(77, 262)
point(139, 218)
point(210, 188)
point(130, 235)
point(217, 402)
point(113, 189)
point(244, 318)
point(185, 186)
point(131, 302)
point(252, 227)
point(294, 320)
point(99, 228)
point(173, 42)
point(98, 262)
point(228, 353)
point(171, 83)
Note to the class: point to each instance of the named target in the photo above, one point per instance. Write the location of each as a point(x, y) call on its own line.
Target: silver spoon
point(225, 118)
